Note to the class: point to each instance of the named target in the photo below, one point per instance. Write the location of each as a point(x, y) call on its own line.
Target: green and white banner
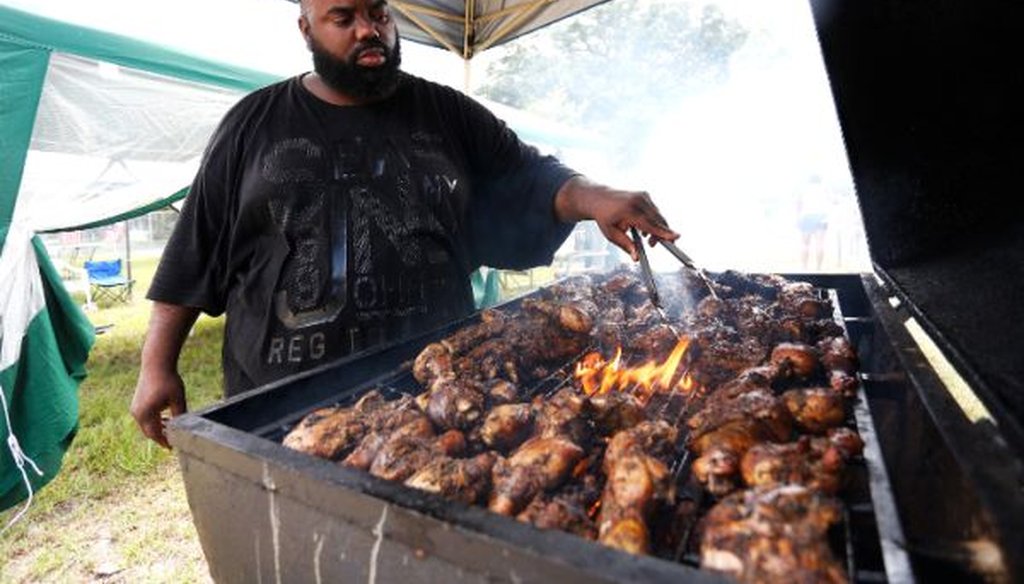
point(44, 345)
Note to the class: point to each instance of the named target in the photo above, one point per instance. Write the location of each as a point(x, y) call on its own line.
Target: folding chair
point(107, 281)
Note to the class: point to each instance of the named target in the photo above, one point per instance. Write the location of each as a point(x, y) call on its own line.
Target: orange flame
point(598, 376)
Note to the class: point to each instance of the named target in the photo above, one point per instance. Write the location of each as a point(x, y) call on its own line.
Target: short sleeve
point(511, 220)
point(193, 267)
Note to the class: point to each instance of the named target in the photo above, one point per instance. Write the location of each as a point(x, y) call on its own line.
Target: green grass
point(109, 454)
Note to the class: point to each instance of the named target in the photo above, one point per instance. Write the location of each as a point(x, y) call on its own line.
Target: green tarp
point(45, 336)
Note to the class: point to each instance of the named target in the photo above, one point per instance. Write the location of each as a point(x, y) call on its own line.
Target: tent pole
point(467, 75)
point(128, 253)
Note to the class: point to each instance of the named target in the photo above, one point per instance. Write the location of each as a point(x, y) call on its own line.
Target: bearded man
point(347, 207)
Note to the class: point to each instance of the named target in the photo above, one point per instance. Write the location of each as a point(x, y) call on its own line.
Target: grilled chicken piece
point(653, 342)
point(435, 360)
point(551, 333)
point(616, 410)
point(623, 284)
point(840, 361)
point(492, 324)
point(761, 376)
point(773, 535)
point(539, 464)
point(575, 317)
point(638, 483)
point(455, 403)
point(500, 391)
point(547, 512)
point(838, 355)
point(405, 454)
point(491, 359)
point(730, 423)
point(543, 334)
point(655, 438)
point(738, 284)
point(566, 510)
point(438, 359)
point(405, 423)
point(718, 470)
point(802, 359)
point(800, 299)
point(331, 432)
point(711, 307)
point(797, 329)
point(563, 415)
point(842, 383)
point(720, 354)
point(737, 422)
point(466, 480)
point(815, 409)
point(846, 441)
point(506, 426)
point(753, 379)
point(814, 463)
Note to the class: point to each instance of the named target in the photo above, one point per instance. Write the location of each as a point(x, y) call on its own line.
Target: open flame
point(597, 376)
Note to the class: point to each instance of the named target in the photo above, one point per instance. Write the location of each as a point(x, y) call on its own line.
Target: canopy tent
point(467, 27)
point(96, 128)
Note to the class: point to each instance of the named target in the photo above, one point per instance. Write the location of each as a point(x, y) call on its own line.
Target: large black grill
point(231, 458)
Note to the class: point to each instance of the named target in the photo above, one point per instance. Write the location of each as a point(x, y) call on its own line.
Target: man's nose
point(366, 28)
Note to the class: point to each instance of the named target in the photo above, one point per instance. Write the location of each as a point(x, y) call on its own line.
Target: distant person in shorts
point(812, 221)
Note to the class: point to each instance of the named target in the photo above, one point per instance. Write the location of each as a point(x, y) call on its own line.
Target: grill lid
point(929, 98)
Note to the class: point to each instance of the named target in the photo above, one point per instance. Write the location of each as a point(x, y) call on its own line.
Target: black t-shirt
point(324, 230)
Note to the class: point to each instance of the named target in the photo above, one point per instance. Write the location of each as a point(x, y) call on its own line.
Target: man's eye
point(382, 15)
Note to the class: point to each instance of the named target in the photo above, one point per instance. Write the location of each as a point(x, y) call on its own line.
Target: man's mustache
point(370, 44)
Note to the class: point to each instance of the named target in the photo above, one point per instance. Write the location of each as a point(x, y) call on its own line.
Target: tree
point(616, 68)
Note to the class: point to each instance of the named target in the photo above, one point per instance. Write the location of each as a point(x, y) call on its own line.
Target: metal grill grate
point(865, 539)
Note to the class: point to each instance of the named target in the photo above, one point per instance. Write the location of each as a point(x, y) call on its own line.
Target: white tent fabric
point(109, 139)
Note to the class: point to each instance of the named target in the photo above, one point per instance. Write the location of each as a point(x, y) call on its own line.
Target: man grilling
point(347, 207)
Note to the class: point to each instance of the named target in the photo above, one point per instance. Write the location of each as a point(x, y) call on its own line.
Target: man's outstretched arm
point(613, 210)
point(160, 386)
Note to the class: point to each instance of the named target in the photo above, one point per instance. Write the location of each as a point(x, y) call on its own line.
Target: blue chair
point(107, 281)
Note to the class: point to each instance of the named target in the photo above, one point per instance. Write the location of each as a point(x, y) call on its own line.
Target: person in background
point(347, 207)
point(812, 220)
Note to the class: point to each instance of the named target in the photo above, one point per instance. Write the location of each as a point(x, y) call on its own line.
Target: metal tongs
point(648, 274)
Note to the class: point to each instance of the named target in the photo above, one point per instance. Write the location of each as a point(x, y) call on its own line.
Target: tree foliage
point(615, 68)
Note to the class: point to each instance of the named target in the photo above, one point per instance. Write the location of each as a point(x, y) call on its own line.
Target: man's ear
point(304, 29)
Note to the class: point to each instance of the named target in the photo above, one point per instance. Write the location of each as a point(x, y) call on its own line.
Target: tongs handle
point(686, 261)
point(680, 255)
point(645, 267)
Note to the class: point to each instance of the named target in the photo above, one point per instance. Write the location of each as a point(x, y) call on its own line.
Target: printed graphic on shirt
point(371, 203)
point(314, 224)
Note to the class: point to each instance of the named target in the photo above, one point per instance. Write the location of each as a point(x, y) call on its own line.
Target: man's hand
point(614, 211)
point(154, 394)
point(160, 387)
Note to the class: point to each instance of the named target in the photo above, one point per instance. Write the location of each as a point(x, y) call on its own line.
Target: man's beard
point(361, 82)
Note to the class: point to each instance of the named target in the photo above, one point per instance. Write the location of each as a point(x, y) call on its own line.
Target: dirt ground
point(142, 534)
